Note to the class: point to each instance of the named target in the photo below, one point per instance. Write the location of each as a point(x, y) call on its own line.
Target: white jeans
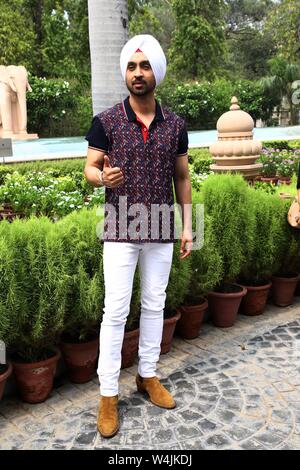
point(119, 264)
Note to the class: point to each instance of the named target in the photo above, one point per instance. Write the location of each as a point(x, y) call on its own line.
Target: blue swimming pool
point(77, 146)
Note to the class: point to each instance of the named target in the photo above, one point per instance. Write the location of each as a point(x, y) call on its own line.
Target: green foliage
point(16, 34)
point(34, 281)
point(84, 253)
point(200, 159)
point(280, 82)
point(202, 103)
point(283, 24)
point(58, 168)
point(226, 201)
point(255, 99)
point(178, 281)
point(261, 255)
point(279, 162)
point(48, 102)
point(44, 194)
point(282, 144)
point(198, 42)
point(249, 44)
point(206, 262)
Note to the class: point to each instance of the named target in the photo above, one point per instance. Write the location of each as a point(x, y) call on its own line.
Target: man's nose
point(138, 72)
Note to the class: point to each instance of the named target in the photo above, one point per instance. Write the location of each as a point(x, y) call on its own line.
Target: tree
point(280, 82)
point(198, 43)
point(154, 17)
point(284, 24)
point(108, 32)
point(17, 36)
point(249, 44)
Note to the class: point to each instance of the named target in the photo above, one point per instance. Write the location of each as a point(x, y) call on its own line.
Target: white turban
point(152, 50)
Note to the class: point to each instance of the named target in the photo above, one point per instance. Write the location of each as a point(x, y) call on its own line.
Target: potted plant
point(206, 266)
point(285, 170)
point(80, 339)
point(5, 372)
point(177, 287)
point(34, 284)
point(226, 201)
point(269, 169)
point(287, 259)
point(259, 255)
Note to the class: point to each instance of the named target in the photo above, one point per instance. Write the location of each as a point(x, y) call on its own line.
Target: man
point(136, 150)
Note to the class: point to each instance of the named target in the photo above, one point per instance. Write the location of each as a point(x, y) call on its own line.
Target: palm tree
point(108, 32)
point(283, 74)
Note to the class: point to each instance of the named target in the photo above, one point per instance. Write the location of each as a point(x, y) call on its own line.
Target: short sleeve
point(183, 143)
point(96, 136)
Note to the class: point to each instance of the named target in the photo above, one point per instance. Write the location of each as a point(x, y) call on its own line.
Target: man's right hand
point(112, 177)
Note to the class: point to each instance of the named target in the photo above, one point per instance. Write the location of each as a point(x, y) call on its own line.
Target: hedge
point(51, 273)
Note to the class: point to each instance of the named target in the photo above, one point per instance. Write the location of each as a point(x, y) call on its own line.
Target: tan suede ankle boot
point(158, 394)
point(108, 418)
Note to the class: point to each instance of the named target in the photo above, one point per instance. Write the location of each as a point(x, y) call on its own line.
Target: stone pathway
point(236, 388)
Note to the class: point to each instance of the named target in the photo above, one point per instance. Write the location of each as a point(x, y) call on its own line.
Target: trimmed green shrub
point(261, 255)
point(178, 281)
point(226, 200)
point(34, 286)
point(57, 168)
point(282, 144)
point(84, 257)
point(287, 242)
point(206, 263)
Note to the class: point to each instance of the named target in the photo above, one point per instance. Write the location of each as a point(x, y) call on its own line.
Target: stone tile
point(226, 398)
point(218, 441)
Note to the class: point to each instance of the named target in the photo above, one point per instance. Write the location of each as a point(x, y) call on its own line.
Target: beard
point(145, 89)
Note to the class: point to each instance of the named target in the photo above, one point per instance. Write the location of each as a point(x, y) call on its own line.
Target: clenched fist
point(111, 177)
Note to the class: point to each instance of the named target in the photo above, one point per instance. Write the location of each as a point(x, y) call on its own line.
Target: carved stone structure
point(13, 108)
point(236, 151)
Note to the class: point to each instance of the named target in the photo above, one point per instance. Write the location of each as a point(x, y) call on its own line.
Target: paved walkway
point(237, 388)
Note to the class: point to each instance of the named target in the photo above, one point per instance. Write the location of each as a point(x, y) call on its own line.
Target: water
point(77, 146)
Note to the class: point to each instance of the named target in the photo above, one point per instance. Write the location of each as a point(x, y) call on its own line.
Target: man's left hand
point(186, 244)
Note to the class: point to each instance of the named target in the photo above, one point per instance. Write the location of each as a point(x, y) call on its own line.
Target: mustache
point(138, 82)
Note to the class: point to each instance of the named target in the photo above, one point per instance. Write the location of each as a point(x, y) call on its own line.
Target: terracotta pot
point(130, 348)
point(190, 322)
point(35, 380)
point(7, 214)
point(297, 291)
point(254, 302)
point(224, 306)
point(168, 332)
point(3, 378)
point(81, 359)
point(271, 179)
point(284, 180)
point(283, 290)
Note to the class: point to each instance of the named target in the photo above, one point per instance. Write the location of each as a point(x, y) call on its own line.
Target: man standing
point(137, 150)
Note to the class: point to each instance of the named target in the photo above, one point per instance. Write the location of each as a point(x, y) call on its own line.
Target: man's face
point(140, 78)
